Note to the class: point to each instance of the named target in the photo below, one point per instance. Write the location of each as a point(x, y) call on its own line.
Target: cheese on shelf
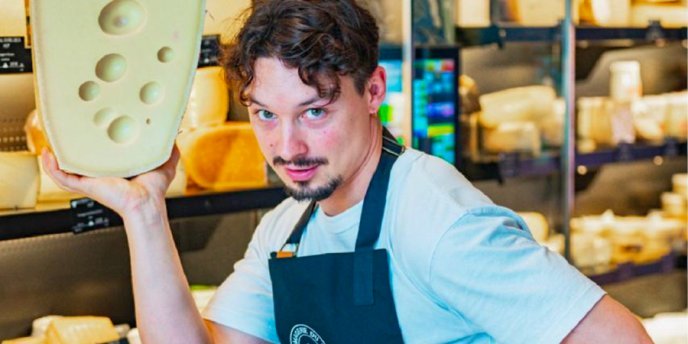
point(529, 103)
point(81, 330)
point(223, 157)
point(537, 223)
point(112, 100)
point(35, 135)
point(669, 15)
point(209, 99)
point(606, 12)
point(513, 137)
point(18, 180)
point(25, 340)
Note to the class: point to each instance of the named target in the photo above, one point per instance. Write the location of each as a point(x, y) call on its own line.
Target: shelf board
point(631, 152)
point(511, 165)
point(504, 33)
point(626, 271)
point(63, 219)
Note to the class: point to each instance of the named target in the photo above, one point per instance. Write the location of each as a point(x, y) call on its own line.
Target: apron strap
point(371, 222)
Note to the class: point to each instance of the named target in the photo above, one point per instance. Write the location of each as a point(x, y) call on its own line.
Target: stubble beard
point(303, 192)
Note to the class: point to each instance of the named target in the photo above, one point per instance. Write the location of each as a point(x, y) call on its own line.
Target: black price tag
point(14, 57)
point(88, 215)
point(210, 51)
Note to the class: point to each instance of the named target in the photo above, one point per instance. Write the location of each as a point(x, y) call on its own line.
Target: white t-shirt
point(463, 270)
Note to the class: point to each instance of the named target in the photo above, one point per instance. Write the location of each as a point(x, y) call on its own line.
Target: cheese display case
point(531, 145)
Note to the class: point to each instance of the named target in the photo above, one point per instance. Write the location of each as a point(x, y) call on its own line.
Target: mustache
point(299, 162)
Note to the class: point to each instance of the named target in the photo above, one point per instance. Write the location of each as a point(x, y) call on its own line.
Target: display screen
point(392, 109)
point(435, 102)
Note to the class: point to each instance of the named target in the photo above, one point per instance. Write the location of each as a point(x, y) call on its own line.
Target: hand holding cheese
point(121, 195)
point(113, 80)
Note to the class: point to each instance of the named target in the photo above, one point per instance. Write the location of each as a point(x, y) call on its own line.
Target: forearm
point(165, 311)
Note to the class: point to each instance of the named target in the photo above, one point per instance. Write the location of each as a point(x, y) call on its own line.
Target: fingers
point(61, 178)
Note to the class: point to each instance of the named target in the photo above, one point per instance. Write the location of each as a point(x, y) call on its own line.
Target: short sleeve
point(488, 268)
point(244, 301)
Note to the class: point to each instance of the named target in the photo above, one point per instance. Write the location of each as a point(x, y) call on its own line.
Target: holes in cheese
point(121, 17)
point(123, 129)
point(151, 93)
point(165, 54)
point(112, 100)
point(104, 116)
point(89, 91)
point(111, 67)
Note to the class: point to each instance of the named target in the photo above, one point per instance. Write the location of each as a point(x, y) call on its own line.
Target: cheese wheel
point(223, 157)
point(113, 99)
point(81, 330)
point(18, 180)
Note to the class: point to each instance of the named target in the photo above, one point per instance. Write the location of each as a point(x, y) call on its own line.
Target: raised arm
point(608, 322)
point(165, 311)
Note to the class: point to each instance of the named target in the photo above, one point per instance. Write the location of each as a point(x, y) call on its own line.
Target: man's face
point(313, 145)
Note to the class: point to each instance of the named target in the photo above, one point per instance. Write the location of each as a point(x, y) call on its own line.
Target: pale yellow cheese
point(25, 340)
point(209, 99)
point(513, 137)
point(112, 100)
point(223, 157)
point(81, 330)
point(668, 15)
point(606, 12)
point(529, 103)
point(472, 13)
point(537, 12)
point(12, 18)
point(537, 223)
point(18, 180)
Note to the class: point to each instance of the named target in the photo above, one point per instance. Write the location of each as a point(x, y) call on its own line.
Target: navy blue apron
point(339, 297)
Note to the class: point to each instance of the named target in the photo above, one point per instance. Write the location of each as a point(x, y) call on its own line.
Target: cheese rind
point(136, 58)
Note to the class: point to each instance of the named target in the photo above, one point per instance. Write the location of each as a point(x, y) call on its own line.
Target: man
point(432, 260)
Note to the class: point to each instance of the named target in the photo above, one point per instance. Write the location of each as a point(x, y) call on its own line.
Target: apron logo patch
point(302, 334)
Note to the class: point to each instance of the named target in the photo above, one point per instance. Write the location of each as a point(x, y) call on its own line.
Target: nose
point(292, 144)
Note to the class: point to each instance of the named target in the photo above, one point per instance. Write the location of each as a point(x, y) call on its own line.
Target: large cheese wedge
point(18, 180)
point(113, 79)
point(209, 99)
point(223, 157)
point(81, 330)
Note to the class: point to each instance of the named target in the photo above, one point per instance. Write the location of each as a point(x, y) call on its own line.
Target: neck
point(353, 190)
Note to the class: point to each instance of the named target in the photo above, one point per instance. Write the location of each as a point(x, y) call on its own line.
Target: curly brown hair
point(323, 39)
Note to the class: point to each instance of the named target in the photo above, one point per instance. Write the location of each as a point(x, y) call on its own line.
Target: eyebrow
point(304, 103)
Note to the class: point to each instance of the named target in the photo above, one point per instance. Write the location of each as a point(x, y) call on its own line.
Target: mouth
point(301, 174)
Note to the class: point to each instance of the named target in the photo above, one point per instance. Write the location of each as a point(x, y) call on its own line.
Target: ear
point(376, 90)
